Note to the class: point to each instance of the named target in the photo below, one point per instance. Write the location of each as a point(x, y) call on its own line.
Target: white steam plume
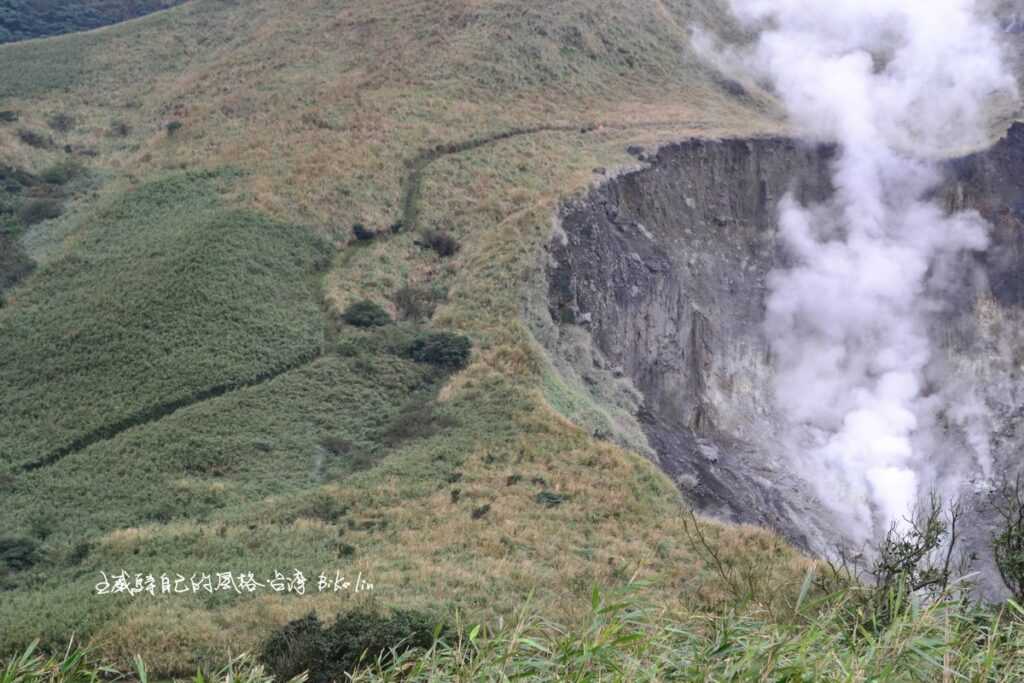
point(893, 83)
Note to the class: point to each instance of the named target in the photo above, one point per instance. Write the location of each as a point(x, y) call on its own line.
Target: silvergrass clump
point(76, 664)
point(626, 639)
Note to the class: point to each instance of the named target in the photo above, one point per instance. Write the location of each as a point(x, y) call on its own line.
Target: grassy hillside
point(25, 19)
point(179, 392)
point(165, 292)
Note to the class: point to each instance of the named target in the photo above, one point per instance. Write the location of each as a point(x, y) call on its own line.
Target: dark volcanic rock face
point(665, 270)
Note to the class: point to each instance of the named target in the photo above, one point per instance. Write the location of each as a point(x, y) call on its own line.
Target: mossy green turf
point(167, 294)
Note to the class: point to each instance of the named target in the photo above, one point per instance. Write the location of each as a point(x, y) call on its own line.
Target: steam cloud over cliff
point(894, 83)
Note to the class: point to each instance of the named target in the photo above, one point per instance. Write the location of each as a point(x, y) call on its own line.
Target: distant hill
point(25, 19)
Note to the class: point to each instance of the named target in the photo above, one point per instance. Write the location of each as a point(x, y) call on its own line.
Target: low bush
point(173, 127)
point(324, 507)
point(363, 233)
point(416, 422)
point(120, 129)
point(8, 116)
point(33, 139)
point(17, 554)
point(366, 314)
point(61, 122)
point(39, 210)
point(443, 349)
point(337, 446)
point(357, 638)
point(441, 242)
point(62, 173)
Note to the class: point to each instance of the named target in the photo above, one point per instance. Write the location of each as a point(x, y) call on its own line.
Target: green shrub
point(39, 210)
point(366, 314)
point(173, 127)
point(62, 173)
point(337, 446)
point(33, 139)
point(8, 116)
point(61, 122)
point(295, 647)
point(441, 242)
point(443, 349)
point(79, 553)
point(362, 233)
point(416, 422)
point(355, 639)
point(17, 554)
point(120, 129)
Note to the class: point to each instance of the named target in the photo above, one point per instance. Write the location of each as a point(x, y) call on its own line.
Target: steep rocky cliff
point(664, 269)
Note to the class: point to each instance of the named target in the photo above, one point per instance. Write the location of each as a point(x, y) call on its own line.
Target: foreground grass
point(76, 665)
point(624, 638)
point(627, 640)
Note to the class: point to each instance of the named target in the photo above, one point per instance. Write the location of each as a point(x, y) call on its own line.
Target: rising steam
point(895, 84)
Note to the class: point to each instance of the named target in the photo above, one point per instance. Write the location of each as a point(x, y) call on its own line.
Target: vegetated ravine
point(663, 272)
